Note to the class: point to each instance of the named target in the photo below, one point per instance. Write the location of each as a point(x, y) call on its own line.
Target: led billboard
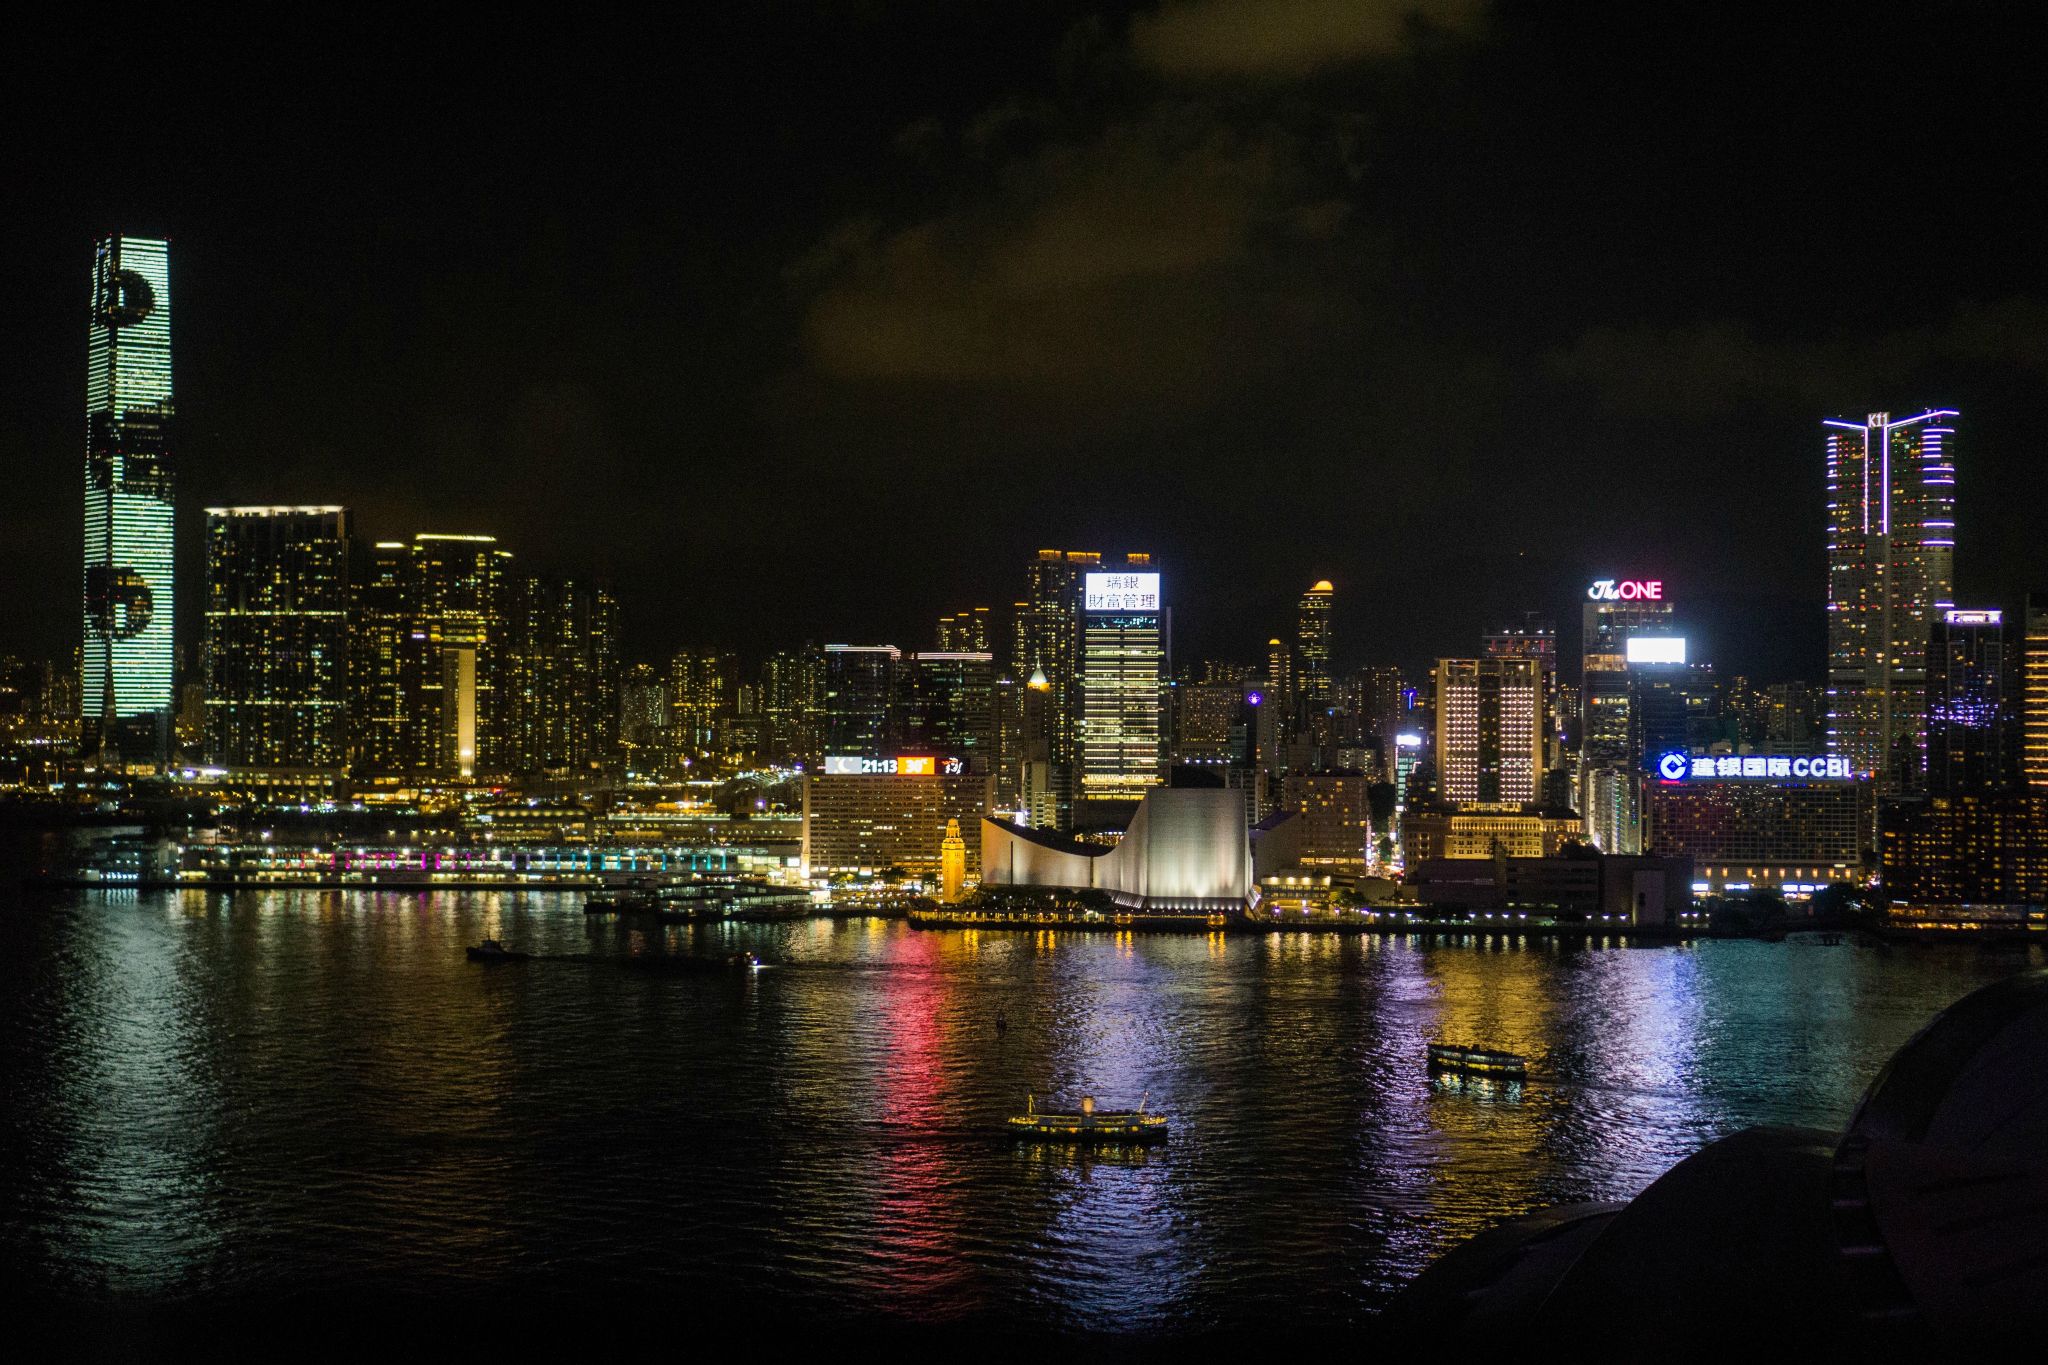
point(1121, 592)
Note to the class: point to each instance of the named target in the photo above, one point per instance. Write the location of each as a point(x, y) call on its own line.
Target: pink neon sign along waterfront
point(1627, 590)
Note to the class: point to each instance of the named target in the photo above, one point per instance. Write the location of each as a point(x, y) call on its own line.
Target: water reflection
point(208, 1092)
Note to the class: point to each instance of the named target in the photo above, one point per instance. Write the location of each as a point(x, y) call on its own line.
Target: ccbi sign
point(1678, 767)
point(1627, 590)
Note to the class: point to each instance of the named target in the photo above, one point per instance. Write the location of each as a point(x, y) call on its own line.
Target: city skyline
point(668, 385)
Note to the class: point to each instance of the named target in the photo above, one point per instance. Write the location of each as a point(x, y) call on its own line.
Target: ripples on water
point(215, 1097)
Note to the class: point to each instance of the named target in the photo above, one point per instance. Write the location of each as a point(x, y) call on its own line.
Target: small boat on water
point(490, 950)
point(1089, 1125)
point(1477, 1061)
point(692, 963)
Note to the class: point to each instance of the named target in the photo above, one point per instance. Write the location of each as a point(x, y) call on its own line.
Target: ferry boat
point(1478, 1061)
point(1089, 1125)
point(740, 899)
point(490, 950)
point(618, 903)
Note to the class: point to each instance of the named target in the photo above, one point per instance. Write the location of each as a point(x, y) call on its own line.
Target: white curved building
point(1187, 850)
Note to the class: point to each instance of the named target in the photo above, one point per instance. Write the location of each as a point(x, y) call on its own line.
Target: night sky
point(816, 323)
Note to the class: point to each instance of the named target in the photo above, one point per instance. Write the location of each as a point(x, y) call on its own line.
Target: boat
point(730, 898)
point(1089, 1125)
point(1478, 1061)
point(618, 903)
point(490, 950)
point(743, 961)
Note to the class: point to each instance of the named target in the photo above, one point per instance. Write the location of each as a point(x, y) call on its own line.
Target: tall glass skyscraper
point(129, 635)
point(1312, 644)
point(1123, 673)
point(1891, 552)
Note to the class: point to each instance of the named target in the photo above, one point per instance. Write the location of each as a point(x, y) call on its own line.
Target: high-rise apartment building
point(703, 688)
point(792, 704)
point(277, 637)
point(561, 680)
point(458, 615)
point(1891, 550)
point(130, 640)
point(383, 655)
point(1123, 675)
point(1489, 730)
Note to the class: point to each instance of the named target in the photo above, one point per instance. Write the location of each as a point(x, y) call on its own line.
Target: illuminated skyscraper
point(1123, 672)
point(1974, 703)
point(2034, 692)
point(965, 632)
point(277, 601)
point(946, 704)
point(129, 618)
point(1312, 644)
point(382, 651)
point(1049, 642)
point(561, 677)
point(1280, 693)
point(1616, 611)
point(1489, 730)
point(860, 694)
point(1891, 551)
point(703, 686)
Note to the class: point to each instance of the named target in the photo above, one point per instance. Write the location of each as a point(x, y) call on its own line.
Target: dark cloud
point(1283, 39)
point(1713, 368)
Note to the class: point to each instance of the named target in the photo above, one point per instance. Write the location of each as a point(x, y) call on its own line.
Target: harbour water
point(217, 1099)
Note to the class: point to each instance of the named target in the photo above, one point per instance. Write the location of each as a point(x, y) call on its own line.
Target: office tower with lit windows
point(1975, 711)
point(1891, 550)
point(130, 637)
point(1124, 648)
point(2034, 691)
point(277, 637)
point(1312, 644)
point(1215, 725)
point(1535, 637)
point(860, 699)
point(947, 705)
point(1609, 623)
point(1489, 730)
point(1048, 641)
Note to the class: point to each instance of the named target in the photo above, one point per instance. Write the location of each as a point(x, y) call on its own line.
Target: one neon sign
point(1627, 590)
point(1682, 767)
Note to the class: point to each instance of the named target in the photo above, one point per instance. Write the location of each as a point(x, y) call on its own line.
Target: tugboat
point(1090, 1125)
point(490, 950)
point(1477, 1061)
